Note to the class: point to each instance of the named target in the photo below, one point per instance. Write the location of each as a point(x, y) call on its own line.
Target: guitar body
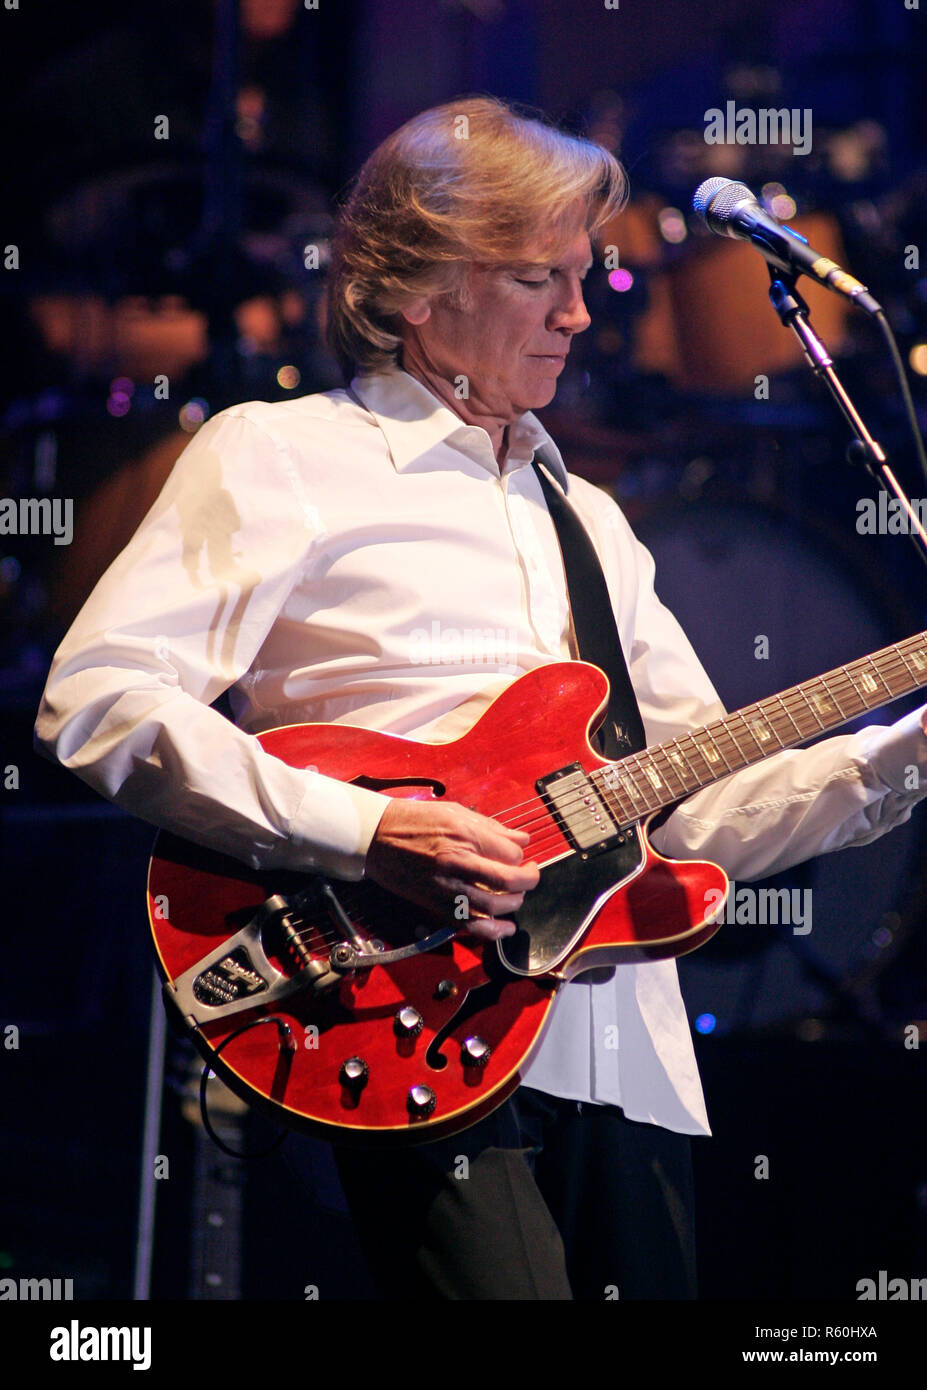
point(426, 1044)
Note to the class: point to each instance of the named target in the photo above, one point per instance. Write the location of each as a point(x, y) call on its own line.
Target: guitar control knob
point(421, 1101)
point(475, 1052)
point(354, 1073)
point(445, 989)
point(408, 1022)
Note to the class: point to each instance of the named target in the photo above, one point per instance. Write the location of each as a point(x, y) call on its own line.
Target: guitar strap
point(597, 640)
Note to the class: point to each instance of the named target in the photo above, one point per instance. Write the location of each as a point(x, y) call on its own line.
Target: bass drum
point(734, 571)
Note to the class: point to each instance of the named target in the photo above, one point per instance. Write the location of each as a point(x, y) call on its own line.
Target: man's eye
point(522, 281)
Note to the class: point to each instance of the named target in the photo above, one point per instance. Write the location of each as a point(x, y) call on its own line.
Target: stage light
point(705, 1023)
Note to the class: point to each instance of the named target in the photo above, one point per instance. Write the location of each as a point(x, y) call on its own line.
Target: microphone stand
point(862, 449)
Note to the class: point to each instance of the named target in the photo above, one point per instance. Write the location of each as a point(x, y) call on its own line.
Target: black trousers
point(543, 1199)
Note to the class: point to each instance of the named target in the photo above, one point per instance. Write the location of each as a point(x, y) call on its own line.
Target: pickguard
point(558, 910)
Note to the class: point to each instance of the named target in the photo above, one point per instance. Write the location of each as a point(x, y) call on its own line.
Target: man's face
point(509, 335)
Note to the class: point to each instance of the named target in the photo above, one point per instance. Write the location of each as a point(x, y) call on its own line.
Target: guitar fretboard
point(659, 776)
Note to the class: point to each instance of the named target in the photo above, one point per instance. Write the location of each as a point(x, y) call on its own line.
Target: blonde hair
point(471, 181)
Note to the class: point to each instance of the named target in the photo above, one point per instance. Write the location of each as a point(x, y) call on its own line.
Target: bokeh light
point(620, 280)
point(288, 377)
point(192, 415)
point(672, 225)
point(918, 358)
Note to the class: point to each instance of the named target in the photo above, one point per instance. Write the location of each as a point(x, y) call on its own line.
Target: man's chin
point(540, 395)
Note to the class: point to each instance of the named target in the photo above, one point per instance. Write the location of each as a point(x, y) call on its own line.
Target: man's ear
point(417, 312)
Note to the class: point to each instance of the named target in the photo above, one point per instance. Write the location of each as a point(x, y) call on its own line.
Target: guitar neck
point(661, 775)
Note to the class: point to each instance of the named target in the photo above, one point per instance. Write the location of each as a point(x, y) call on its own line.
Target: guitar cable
point(286, 1043)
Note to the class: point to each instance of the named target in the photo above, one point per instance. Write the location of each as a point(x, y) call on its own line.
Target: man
point(301, 552)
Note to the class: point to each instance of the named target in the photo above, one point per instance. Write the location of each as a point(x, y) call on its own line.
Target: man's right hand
point(432, 852)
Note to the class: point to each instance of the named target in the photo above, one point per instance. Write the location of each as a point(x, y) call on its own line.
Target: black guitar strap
point(622, 730)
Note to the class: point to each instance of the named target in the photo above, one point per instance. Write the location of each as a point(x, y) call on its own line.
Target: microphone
point(730, 209)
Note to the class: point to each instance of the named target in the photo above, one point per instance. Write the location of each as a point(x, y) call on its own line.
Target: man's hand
point(432, 852)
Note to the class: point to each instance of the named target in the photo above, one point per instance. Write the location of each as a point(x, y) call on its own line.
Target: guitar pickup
point(577, 808)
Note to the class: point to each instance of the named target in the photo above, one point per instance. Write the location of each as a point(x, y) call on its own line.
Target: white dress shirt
point(356, 557)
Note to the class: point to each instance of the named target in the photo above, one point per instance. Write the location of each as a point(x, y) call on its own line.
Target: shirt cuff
point(331, 830)
point(897, 755)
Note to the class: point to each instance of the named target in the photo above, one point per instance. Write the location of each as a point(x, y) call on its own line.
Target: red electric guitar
point(342, 1008)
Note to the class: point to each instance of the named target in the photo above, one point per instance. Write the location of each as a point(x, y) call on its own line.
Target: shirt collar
point(413, 421)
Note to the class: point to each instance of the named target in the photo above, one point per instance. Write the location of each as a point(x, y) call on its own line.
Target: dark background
point(139, 256)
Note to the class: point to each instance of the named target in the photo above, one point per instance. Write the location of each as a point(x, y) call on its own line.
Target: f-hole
point(379, 784)
point(483, 997)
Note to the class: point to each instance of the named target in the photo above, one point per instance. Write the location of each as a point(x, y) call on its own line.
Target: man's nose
point(572, 312)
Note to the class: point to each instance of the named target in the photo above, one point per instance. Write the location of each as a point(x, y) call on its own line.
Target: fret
point(635, 758)
point(620, 782)
point(890, 675)
point(650, 771)
point(726, 723)
point(879, 672)
point(870, 685)
point(714, 753)
point(920, 661)
point(708, 767)
point(766, 729)
point(609, 793)
point(645, 782)
point(824, 704)
point(880, 676)
point(675, 772)
point(639, 799)
point(748, 725)
point(800, 690)
point(679, 757)
point(849, 675)
point(658, 771)
point(787, 715)
point(905, 660)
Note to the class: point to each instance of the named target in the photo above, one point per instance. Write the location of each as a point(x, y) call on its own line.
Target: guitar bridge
point(238, 974)
point(579, 810)
point(229, 979)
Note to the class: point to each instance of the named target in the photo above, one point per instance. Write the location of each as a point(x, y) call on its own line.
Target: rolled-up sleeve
point(179, 617)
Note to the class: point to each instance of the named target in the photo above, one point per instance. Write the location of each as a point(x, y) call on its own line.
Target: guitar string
point(537, 808)
point(535, 812)
point(720, 729)
point(534, 816)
